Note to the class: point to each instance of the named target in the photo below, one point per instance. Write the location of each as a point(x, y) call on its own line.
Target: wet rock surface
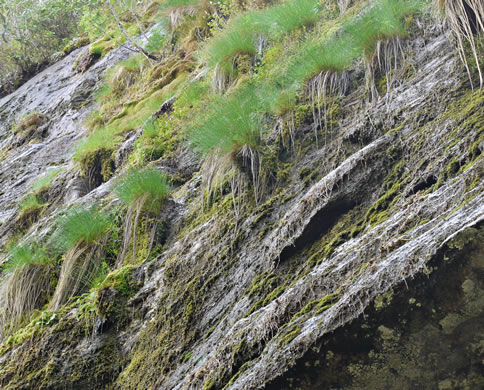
point(363, 270)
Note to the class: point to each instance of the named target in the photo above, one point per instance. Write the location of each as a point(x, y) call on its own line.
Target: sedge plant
point(80, 235)
point(243, 35)
point(230, 135)
point(25, 286)
point(143, 190)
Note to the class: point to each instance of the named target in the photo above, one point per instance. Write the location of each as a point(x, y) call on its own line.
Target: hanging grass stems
point(80, 235)
point(143, 189)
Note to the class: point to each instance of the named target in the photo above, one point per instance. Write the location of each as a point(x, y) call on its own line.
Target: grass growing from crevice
point(232, 126)
point(231, 133)
point(26, 285)
point(245, 33)
point(80, 235)
point(232, 121)
point(30, 209)
point(143, 190)
point(43, 182)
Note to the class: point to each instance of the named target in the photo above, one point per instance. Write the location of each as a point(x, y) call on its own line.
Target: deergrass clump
point(466, 19)
point(230, 137)
point(148, 184)
point(141, 189)
point(289, 15)
point(25, 287)
point(239, 37)
point(29, 210)
point(81, 225)
point(231, 122)
point(30, 202)
point(81, 234)
point(243, 34)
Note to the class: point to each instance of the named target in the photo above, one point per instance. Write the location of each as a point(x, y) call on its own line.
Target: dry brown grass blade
point(128, 227)
point(23, 291)
point(67, 280)
point(457, 16)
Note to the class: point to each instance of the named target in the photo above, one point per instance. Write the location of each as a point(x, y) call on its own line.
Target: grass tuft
point(43, 182)
point(80, 234)
point(25, 287)
point(233, 121)
point(142, 189)
point(80, 225)
point(146, 183)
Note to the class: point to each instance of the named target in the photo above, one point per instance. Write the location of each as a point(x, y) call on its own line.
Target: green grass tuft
point(43, 182)
point(26, 254)
point(241, 34)
point(232, 122)
point(30, 202)
point(100, 139)
point(80, 225)
point(148, 184)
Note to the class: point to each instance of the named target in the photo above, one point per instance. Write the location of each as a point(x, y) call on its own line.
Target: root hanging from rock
point(252, 160)
point(130, 227)
point(319, 88)
point(387, 58)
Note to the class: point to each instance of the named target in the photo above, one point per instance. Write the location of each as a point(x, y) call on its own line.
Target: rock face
point(362, 270)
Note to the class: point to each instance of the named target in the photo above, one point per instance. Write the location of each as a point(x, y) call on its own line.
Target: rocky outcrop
point(362, 268)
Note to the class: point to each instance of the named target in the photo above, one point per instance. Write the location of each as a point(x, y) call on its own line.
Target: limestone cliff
point(360, 267)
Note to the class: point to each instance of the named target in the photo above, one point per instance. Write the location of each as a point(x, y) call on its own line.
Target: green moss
point(463, 238)
point(317, 306)
point(75, 44)
point(122, 281)
point(291, 334)
point(102, 47)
